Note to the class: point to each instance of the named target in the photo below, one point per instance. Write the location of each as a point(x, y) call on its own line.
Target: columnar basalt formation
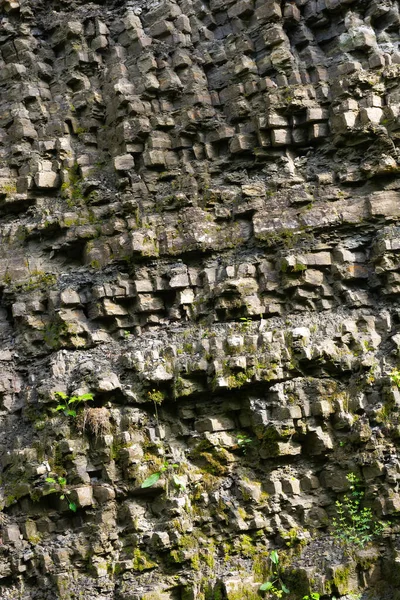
point(199, 221)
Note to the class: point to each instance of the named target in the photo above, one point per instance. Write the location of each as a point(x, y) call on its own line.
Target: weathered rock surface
point(199, 221)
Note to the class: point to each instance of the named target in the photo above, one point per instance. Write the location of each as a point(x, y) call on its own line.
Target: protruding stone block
point(47, 180)
point(125, 162)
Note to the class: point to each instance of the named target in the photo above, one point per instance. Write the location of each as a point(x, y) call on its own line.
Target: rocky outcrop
point(199, 273)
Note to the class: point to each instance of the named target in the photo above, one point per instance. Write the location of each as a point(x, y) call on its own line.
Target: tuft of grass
point(95, 420)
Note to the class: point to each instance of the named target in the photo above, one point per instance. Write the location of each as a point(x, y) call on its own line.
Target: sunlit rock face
point(199, 317)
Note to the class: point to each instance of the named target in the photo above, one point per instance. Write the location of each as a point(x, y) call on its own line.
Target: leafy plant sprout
point(355, 525)
point(246, 323)
point(69, 404)
point(61, 483)
point(275, 585)
point(165, 468)
point(243, 442)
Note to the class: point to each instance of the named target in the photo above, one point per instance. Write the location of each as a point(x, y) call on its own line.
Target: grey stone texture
point(199, 222)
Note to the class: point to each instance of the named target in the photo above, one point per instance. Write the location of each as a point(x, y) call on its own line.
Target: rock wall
point(199, 206)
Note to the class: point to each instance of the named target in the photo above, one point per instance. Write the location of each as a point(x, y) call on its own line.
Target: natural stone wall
point(199, 206)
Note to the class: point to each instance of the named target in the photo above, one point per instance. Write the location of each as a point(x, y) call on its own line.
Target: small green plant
point(243, 442)
point(395, 377)
point(157, 398)
point(245, 323)
point(69, 404)
point(355, 525)
point(168, 469)
point(275, 585)
point(61, 483)
point(312, 596)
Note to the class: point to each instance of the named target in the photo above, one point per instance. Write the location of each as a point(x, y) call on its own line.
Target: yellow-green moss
point(239, 379)
point(341, 579)
point(141, 561)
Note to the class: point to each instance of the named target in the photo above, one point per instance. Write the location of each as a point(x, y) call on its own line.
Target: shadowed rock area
point(199, 315)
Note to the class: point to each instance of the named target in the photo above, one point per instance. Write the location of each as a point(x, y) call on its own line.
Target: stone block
point(186, 296)
point(341, 123)
point(268, 10)
point(299, 136)
point(242, 8)
point(291, 486)
point(182, 23)
point(169, 81)
point(376, 60)
point(23, 128)
point(245, 64)
point(288, 449)
point(274, 488)
point(19, 309)
point(319, 442)
point(240, 587)
point(179, 279)
point(159, 140)
point(82, 496)
point(99, 42)
point(69, 297)
point(143, 285)
point(315, 114)
point(47, 180)
point(275, 120)
point(214, 424)
point(386, 203)
point(372, 100)
point(241, 143)
point(108, 383)
point(154, 158)
point(372, 115)
point(222, 132)
point(254, 189)
point(281, 137)
point(11, 534)
point(161, 29)
point(132, 454)
point(345, 578)
point(312, 277)
point(318, 130)
point(292, 13)
point(113, 309)
point(124, 162)
point(149, 303)
point(320, 259)
point(103, 493)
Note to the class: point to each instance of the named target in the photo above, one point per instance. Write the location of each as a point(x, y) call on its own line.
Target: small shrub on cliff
point(355, 525)
point(60, 488)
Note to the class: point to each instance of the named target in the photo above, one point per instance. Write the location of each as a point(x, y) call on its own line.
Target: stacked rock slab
point(199, 221)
